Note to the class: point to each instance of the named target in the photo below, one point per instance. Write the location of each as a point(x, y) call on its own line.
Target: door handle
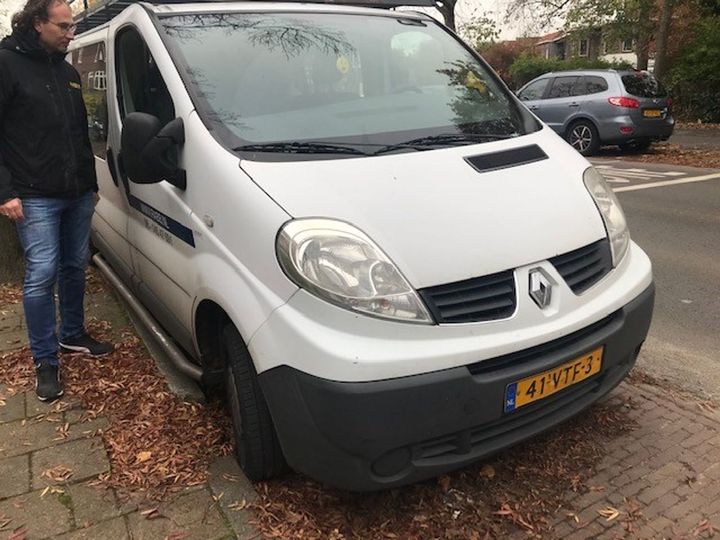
point(574, 104)
point(533, 107)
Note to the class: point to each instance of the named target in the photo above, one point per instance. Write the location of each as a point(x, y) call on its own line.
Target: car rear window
point(643, 85)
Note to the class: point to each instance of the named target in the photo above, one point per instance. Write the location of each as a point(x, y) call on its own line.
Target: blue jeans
point(55, 237)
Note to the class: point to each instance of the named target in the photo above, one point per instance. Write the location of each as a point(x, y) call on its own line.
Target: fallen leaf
point(444, 483)
point(142, 457)
point(609, 513)
point(487, 471)
point(18, 534)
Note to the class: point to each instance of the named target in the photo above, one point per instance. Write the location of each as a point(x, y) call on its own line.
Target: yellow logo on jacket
point(75, 85)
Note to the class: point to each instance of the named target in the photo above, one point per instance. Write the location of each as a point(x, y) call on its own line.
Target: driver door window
point(141, 87)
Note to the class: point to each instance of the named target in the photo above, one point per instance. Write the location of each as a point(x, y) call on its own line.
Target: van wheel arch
point(210, 320)
point(582, 134)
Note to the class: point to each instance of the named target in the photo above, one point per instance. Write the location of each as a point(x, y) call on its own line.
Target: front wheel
point(583, 136)
point(257, 448)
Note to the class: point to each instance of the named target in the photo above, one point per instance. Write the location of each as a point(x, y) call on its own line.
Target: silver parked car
point(594, 107)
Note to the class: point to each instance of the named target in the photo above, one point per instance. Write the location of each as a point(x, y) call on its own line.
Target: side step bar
point(176, 355)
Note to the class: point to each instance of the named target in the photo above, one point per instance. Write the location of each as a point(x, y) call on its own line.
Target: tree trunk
point(447, 10)
point(662, 38)
point(644, 33)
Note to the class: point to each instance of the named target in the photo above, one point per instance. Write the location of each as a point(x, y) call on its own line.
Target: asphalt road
point(674, 215)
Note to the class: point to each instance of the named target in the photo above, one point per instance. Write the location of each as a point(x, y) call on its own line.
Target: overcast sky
point(464, 12)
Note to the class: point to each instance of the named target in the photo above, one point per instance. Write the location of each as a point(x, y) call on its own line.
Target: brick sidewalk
point(662, 477)
point(39, 442)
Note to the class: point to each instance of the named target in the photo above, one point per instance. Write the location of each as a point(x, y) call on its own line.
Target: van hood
point(438, 218)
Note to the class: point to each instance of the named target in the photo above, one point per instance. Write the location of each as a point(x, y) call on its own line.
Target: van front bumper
point(365, 436)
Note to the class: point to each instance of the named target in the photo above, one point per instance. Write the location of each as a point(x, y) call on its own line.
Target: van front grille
point(486, 298)
point(584, 267)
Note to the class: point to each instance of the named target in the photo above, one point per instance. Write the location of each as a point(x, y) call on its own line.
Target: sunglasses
point(65, 28)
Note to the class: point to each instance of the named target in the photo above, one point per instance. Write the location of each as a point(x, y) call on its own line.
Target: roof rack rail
point(105, 10)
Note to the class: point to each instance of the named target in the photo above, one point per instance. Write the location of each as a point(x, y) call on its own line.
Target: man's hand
point(12, 209)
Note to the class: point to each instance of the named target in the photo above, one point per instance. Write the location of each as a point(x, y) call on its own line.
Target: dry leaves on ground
point(10, 293)
point(58, 474)
point(156, 442)
point(671, 154)
point(696, 125)
point(522, 488)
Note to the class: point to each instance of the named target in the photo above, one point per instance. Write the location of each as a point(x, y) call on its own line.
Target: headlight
point(611, 213)
point(340, 264)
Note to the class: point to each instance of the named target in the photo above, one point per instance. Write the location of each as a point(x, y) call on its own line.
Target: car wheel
point(583, 136)
point(257, 448)
point(635, 146)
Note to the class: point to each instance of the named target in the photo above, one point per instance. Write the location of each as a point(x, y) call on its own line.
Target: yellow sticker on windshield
point(342, 64)
point(473, 81)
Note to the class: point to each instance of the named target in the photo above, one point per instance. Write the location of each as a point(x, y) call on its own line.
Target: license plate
point(652, 113)
point(542, 385)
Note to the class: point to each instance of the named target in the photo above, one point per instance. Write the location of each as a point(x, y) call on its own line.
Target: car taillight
point(669, 101)
point(627, 102)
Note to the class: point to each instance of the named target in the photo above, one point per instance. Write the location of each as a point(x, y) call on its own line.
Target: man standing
point(47, 182)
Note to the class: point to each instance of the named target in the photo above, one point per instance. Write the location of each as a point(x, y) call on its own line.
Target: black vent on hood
point(486, 298)
point(584, 267)
point(507, 158)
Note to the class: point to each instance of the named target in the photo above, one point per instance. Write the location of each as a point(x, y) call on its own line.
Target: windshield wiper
point(297, 147)
point(445, 139)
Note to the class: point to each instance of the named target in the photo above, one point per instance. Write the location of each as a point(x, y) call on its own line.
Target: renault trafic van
point(342, 215)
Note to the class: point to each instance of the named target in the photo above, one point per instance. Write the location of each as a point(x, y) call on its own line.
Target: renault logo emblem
point(540, 288)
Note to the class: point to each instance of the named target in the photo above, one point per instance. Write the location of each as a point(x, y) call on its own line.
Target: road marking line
point(675, 173)
point(616, 179)
point(647, 175)
point(670, 182)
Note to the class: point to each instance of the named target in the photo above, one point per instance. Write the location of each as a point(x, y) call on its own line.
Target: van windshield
point(338, 83)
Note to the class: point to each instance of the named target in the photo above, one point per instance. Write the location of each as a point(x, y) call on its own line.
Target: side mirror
point(146, 149)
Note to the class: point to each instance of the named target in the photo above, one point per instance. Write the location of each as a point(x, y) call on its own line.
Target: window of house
point(92, 72)
point(584, 46)
point(140, 84)
point(563, 87)
point(534, 90)
point(627, 45)
point(100, 82)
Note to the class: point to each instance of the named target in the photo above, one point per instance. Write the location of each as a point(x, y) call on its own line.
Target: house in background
point(591, 44)
point(551, 45)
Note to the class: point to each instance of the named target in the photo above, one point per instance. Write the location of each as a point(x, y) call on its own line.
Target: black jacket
point(44, 146)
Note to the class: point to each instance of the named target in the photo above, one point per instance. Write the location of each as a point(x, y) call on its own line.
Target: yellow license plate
point(542, 385)
point(652, 113)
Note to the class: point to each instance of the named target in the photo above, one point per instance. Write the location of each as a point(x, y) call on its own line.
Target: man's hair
point(24, 20)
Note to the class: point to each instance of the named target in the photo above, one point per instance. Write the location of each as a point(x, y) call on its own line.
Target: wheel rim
point(234, 399)
point(581, 137)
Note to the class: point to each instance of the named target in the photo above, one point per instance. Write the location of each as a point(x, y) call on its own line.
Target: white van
point(342, 215)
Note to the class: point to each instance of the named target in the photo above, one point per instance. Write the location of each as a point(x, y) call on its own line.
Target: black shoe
point(47, 381)
point(85, 344)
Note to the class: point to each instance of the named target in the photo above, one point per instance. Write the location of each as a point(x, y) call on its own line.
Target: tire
point(257, 448)
point(635, 147)
point(583, 137)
